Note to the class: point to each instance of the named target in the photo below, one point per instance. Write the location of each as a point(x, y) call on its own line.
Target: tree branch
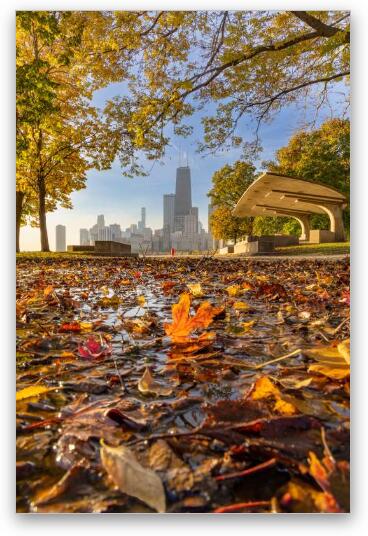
point(323, 29)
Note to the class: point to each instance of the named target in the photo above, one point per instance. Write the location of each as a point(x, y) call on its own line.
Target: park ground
point(188, 384)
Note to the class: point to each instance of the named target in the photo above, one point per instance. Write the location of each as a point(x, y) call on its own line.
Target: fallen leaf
point(148, 385)
point(195, 289)
point(234, 290)
point(131, 477)
point(183, 324)
point(241, 306)
point(265, 388)
point(141, 300)
point(71, 326)
point(48, 290)
point(333, 362)
point(35, 390)
point(94, 348)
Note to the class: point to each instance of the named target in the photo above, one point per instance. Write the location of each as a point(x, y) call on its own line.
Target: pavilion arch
point(273, 194)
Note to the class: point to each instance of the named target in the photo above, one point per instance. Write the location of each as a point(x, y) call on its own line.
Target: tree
point(321, 155)
point(249, 63)
point(228, 185)
point(60, 135)
point(226, 226)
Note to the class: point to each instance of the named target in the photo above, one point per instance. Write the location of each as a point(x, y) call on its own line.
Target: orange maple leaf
point(183, 324)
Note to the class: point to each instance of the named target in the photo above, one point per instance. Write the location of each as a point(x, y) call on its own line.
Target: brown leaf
point(131, 477)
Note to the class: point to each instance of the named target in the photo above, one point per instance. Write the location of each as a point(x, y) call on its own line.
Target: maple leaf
point(183, 324)
point(94, 348)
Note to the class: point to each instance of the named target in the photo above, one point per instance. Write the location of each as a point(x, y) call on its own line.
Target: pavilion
point(273, 194)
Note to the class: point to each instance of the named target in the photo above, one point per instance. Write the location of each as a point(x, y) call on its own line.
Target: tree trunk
point(19, 209)
point(42, 214)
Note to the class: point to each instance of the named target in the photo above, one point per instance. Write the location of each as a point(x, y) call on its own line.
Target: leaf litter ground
point(180, 385)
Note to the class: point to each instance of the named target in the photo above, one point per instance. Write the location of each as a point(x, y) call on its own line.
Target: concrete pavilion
point(273, 195)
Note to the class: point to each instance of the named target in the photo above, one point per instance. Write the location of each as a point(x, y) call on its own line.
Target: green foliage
point(228, 185)
point(319, 155)
point(264, 225)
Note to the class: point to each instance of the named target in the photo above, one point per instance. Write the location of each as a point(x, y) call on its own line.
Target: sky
point(120, 198)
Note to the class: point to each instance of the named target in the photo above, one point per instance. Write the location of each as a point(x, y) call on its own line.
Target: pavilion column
point(305, 225)
point(334, 212)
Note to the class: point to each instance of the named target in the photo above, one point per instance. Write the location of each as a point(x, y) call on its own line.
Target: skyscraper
point(169, 212)
point(104, 233)
point(60, 238)
point(183, 191)
point(84, 237)
point(183, 196)
point(100, 221)
point(115, 231)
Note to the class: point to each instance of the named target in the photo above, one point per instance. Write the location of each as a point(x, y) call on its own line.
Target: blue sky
point(120, 198)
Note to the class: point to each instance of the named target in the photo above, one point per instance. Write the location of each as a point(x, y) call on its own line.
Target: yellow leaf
point(35, 390)
point(286, 408)
point(247, 325)
point(330, 372)
point(265, 388)
point(241, 306)
point(233, 290)
point(332, 362)
point(48, 290)
point(344, 350)
point(195, 289)
point(141, 300)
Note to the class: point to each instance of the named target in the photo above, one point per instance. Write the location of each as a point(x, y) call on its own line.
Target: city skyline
point(180, 229)
point(121, 198)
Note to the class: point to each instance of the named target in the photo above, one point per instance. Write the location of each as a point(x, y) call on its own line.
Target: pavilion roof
point(273, 194)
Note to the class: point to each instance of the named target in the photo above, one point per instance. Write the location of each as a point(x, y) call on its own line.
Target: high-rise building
point(143, 217)
point(100, 221)
point(104, 233)
point(60, 238)
point(93, 234)
point(115, 232)
point(190, 224)
point(169, 212)
point(183, 196)
point(84, 237)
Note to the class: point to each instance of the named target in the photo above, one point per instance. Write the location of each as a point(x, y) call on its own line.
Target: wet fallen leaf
point(94, 348)
point(131, 478)
point(35, 390)
point(333, 362)
point(241, 306)
point(183, 324)
point(195, 289)
point(149, 386)
point(234, 290)
point(141, 300)
point(265, 388)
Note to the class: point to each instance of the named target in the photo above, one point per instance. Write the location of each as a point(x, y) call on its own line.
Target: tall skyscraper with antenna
point(183, 194)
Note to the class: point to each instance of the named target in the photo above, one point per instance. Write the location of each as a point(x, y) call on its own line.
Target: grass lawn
point(334, 248)
point(53, 255)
